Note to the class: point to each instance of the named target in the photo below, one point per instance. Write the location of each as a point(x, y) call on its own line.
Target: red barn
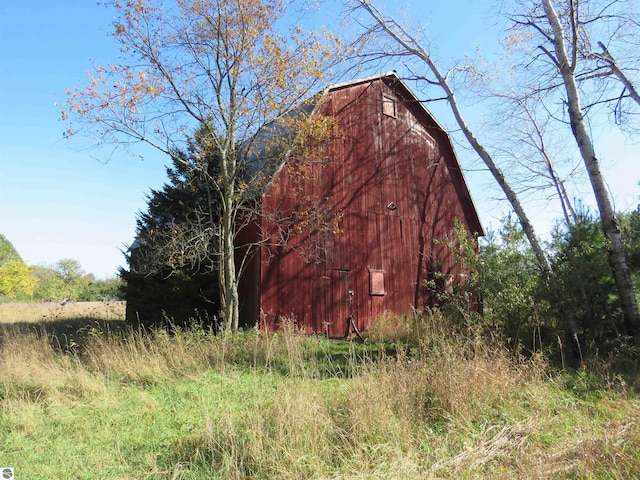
point(392, 184)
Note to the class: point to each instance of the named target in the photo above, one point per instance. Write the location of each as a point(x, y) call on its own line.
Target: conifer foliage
point(173, 267)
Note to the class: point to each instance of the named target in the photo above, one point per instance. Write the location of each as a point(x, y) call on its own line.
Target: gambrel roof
point(395, 83)
point(274, 163)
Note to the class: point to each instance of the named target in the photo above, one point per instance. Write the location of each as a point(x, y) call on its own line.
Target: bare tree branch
point(391, 29)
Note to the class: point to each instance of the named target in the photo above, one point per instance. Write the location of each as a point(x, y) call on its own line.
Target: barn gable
point(390, 185)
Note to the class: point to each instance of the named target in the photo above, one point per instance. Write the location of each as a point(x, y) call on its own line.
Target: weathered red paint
point(397, 185)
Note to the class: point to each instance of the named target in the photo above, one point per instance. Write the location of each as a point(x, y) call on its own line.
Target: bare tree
point(613, 69)
point(561, 29)
point(231, 69)
point(404, 46)
point(606, 57)
point(526, 139)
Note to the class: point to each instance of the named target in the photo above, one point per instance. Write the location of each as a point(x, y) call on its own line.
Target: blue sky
point(58, 201)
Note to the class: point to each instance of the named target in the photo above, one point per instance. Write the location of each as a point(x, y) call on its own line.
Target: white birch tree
point(566, 63)
point(561, 30)
point(400, 44)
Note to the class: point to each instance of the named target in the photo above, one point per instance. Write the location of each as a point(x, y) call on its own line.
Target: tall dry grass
point(449, 403)
point(32, 370)
point(36, 313)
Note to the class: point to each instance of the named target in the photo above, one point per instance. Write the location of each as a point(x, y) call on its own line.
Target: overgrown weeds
point(438, 401)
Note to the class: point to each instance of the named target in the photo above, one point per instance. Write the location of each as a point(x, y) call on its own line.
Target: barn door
point(338, 297)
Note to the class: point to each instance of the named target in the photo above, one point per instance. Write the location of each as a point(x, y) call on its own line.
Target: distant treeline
point(63, 281)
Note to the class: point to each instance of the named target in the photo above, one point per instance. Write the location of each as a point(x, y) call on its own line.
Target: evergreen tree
point(630, 223)
point(173, 265)
point(7, 252)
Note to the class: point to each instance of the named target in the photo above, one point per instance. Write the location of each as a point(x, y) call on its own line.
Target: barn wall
point(389, 179)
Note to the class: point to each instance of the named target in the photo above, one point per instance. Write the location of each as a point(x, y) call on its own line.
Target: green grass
point(152, 431)
point(122, 405)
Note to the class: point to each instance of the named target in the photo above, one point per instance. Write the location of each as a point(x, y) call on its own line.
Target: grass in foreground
point(193, 406)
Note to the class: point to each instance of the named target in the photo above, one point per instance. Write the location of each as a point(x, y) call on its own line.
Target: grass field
point(103, 402)
point(43, 314)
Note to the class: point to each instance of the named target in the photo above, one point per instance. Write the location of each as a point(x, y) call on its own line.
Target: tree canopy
point(233, 70)
point(7, 251)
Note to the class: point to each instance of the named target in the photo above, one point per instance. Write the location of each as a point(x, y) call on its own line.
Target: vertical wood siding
point(394, 182)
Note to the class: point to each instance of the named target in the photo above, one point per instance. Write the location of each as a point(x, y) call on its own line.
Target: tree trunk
point(610, 226)
point(411, 46)
point(527, 227)
point(229, 295)
point(606, 57)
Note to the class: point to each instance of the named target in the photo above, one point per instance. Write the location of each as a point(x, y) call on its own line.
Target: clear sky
point(57, 201)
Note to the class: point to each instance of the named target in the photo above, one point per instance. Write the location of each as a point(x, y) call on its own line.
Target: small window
point(376, 283)
point(389, 106)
